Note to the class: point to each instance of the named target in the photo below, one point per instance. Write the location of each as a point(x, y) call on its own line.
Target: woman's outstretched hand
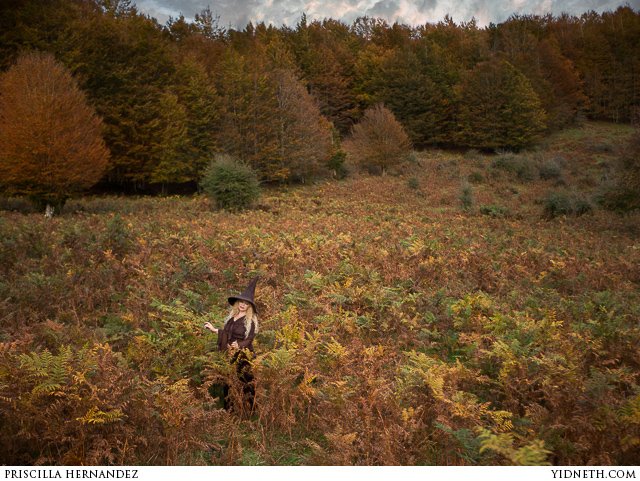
point(209, 326)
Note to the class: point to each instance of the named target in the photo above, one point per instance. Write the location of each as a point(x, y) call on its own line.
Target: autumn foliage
point(50, 138)
point(396, 327)
point(402, 323)
point(270, 121)
point(282, 99)
point(378, 142)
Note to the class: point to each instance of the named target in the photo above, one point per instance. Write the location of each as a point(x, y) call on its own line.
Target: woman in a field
point(236, 338)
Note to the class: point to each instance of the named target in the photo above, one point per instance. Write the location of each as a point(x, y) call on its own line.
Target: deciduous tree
point(304, 135)
point(270, 120)
point(50, 138)
point(379, 141)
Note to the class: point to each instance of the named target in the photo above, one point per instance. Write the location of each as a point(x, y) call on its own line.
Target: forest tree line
point(282, 99)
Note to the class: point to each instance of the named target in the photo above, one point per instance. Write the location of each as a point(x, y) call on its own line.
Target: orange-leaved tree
point(50, 138)
point(379, 141)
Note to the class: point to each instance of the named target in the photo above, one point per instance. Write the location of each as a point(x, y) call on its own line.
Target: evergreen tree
point(455, 48)
point(208, 25)
point(269, 119)
point(169, 150)
point(249, 109)
point(498, 108)
point(159, 110)
point(126, 68)
point(560, 88)
point(525, 43)
point(424, 107)
point(610, 63)
point(323, 52)
point(197, 94)
point(368, 74)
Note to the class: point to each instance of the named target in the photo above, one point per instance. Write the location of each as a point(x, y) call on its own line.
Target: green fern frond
point(50, 371)
point(532, 454)
point(630, 411)
point(97, 416)
point(279, 359)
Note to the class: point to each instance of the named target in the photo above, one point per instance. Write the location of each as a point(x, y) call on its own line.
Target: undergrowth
point(395, 329)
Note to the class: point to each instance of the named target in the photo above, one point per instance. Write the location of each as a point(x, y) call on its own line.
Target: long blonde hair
point(249, 317)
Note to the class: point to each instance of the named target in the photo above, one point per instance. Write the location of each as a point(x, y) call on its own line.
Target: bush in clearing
point(496, 211)
point(516, 164)
point(475, 177)
point(551, 169)
point(625, 195)
point(378, 142)
point(466, 197)
point(564, 203)
point(230, 183)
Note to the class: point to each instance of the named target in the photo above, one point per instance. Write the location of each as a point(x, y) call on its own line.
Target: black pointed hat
point(247, 295)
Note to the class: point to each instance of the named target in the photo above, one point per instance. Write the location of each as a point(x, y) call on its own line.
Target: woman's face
point(242, 306)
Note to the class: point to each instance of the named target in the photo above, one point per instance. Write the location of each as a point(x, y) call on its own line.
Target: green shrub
point(412, 158)
point(600, 147)
point(413, 183)
point(475, 177)
point(526, 170)
point(524, 167)
point(503, 161)
point(472, 154)
point(337, 164)
point(495, 211)
point(230, 183)
point(466, 197)
point(620, 199)
point(556, 204)
point(563, 203)
point(117, 236)
point(550, 169)
point(624, 194)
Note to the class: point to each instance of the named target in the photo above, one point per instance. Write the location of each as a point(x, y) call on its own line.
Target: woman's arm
point(209, 326)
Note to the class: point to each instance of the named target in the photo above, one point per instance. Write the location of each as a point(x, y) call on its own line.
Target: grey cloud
point(581, 6)
point(384, 8)
point(428, 5)
point(486, 11)
point(237, 13)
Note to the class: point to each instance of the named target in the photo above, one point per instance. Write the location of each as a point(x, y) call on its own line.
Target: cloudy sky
point(237, 13)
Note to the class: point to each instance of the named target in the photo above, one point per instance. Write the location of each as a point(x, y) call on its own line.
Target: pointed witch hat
point(247, 295)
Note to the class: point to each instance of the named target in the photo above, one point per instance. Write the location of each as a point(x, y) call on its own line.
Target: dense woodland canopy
point(283, 98)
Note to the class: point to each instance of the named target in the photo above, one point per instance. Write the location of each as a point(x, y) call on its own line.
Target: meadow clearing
point(451, 314)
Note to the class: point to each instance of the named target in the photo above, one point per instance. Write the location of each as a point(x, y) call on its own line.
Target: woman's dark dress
point(234, 330)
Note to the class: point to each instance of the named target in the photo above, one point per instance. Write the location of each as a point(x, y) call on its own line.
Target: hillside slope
point(399, 324)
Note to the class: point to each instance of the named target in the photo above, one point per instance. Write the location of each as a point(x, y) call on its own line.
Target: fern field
point(398, 327)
